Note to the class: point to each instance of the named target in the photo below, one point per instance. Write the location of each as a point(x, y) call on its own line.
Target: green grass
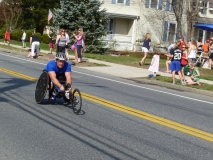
point(204, 86)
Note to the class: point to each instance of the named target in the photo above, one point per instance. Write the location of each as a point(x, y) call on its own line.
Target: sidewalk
point(132, 72)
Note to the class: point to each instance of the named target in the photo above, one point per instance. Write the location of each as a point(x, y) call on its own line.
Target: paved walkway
point(119, 70)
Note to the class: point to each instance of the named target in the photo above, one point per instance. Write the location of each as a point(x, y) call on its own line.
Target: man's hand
point(62, 88)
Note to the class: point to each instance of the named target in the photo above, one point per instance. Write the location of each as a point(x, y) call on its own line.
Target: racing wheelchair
point(70, 97)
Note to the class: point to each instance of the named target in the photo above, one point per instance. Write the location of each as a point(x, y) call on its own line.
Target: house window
point(120, 1)
point(124, 2)
point(203, 8)
point(169, 5)
point(158, 4)
point(154, 4)
point(170, 31)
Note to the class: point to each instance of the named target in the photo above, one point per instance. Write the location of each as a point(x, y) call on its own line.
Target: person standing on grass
point(145, 48)
point(74, 47)
point(7, 37)
point(68, 41)
point(51, 41)
point(176, 54)
point(61, 41)
point(192, 51)
point(23, 39)
point(79, 38)
point(184, 61)
point(154, 66)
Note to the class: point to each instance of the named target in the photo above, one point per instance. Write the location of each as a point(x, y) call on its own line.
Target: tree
point(191, 8)
point(35, 13)
point(86, 14)
point(11, 12)
point(192, 11)
point(177, 7)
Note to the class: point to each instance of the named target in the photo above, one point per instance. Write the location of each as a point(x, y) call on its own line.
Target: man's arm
point(30, 40)
point(68, 76)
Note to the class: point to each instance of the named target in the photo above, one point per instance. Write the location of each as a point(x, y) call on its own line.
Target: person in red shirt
point(182, 43)
point(7, 37)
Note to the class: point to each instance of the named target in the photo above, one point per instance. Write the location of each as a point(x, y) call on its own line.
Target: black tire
point(77, 101)
point(41, 87)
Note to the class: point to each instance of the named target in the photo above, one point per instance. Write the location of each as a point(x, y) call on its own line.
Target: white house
point(130, 20)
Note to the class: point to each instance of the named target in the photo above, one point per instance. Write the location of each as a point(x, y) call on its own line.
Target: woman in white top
point(192, 51)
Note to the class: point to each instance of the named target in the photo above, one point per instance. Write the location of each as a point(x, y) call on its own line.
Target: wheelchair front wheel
point(76, 101)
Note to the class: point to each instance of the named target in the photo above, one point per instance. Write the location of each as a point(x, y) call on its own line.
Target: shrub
point(45, 38)
point(2, 31)
point(16, 35)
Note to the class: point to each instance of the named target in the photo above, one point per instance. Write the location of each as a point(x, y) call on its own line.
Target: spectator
point(68, 41)
point(184, 61)
point(181, 39)
point(205, 51)
point(176, 54)
point(51, 41)
point(199, 47)
point(210, 54)
point(195, 78)
point(79, 38)
point(206, 47)
point(192, 51)
point(145, 48)
point(74, 47)
point(7, 37)
point(168, 61)
point(35, 44)
point(23, 39)
point(61, 41)
point(81, 31)
point(154, 66)
point(199, 42)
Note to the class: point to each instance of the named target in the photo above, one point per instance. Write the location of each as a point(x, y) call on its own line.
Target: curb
point(177, 87)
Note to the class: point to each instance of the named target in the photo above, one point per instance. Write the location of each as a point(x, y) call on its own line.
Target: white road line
point(119, 82)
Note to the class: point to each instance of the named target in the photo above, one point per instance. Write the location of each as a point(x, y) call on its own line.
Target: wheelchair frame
point(44, 84)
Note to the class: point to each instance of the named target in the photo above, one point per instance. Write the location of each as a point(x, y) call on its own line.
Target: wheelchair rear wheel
point(76, 101)
point(41, 87)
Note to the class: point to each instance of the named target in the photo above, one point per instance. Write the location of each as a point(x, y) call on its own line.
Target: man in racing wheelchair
point(60, 75)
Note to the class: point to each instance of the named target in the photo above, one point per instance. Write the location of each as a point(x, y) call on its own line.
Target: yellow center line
point(150, 117)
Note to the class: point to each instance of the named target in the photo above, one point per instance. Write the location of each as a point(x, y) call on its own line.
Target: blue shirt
point(51, 66)
point(146, 43)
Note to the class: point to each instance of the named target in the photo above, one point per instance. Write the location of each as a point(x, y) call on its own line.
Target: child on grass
point(195, 78)
point(154, 66)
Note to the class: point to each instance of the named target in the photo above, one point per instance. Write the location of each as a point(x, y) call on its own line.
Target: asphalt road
point(29, 131)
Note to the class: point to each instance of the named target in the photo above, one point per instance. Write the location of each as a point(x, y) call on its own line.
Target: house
point(130, 20)
point(205, 17)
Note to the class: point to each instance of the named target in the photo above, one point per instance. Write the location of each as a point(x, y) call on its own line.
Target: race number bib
point(177, 56)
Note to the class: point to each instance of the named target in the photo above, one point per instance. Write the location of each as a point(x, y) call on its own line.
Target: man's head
point(60, 59)
point(181, 38)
